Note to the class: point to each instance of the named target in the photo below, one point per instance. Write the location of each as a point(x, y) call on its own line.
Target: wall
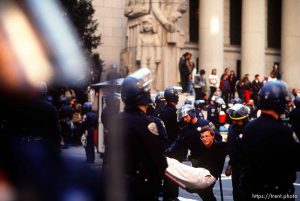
point(112, 27)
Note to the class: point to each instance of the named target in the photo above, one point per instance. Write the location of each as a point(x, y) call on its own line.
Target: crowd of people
point(259, 135)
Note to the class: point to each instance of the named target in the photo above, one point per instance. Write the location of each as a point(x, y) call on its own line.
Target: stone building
point(248, 36)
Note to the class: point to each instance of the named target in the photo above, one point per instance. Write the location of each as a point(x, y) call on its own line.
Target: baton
point(221, 189)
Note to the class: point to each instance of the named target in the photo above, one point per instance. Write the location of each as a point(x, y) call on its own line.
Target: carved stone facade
point(154, 38)
point(124, 40)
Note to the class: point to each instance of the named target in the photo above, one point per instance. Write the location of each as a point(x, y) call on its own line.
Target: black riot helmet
point(200, 104)
point(238, 112)
point(135, 89)
point(172, 94)
point(63, 100)
point(87, 107)
point(160, 97)
point(297, 102)
point(273, 96)
point(236, 100)
point(186, 109)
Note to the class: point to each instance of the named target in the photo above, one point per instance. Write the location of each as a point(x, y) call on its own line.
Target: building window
point(274, 23)
point(194, 21)
point(235, 22)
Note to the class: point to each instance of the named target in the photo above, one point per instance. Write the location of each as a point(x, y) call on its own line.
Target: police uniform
point(213, 115)
point(268, 148)
point(211, 158)
point(200, 114)
point(161, 130)
point(189, 139)
point(169, 117)
point(65, 119)
point(238, 112)
point(145, 162)
point(294, 121)
point(141, 147)
point(234, 149)
point(90, 123)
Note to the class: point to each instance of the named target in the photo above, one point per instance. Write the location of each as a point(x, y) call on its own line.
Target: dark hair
point(202, 72)
point(186, 54)
point(256, 75)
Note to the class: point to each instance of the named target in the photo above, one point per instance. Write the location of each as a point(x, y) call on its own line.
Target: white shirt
point(213, 81)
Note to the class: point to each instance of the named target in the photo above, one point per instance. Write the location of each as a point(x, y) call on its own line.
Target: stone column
point(253, 38)
point(290, 42)
point(211, 35)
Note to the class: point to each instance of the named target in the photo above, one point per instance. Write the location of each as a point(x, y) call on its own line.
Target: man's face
point(187, 119)
point(207, 138)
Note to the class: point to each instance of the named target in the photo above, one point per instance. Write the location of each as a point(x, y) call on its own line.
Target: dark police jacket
point(169, 117)
point(234, 145)
point(143, 150)
point(268, 152)
point(213, 115)
point(294, 120)
point(211, 158)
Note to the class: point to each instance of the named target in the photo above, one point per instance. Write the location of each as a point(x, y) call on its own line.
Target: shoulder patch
point(153, 128)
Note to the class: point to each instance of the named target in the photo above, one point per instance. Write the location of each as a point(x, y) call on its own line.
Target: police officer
point(239, 116)
point(236, 100)
point(188, 138)
point(169, 117)
point(89, 124)
point(160, 102)
point(152, 112)
point(209, 155)
point(169, 114)
point(142, 148)
point(188, 101)
point(295, 117)
point(214, 110)
point(199, 106)
point(268, 148)
point(65, 119)
point(179, 148)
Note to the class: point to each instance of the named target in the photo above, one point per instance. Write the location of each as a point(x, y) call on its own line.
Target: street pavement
point(77, 153)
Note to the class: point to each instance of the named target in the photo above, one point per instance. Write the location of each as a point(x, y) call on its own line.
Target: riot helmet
point(238, 112)
point(236, 100)
point(297, 102)
point(185, 110)
point(160, 97)
point(199, 104)
point(172, 94)
point(87, 107)
point(135, 89)
point(63, 100)
point(273, 96)
point(188, 101)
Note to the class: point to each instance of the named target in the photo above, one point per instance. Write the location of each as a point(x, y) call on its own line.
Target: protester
point(213, 81)
point(232, 81)
point(185, 73)
point(200, 85)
